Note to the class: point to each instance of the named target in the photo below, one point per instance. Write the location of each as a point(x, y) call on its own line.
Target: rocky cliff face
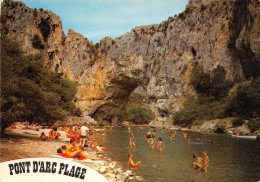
point(158, 58)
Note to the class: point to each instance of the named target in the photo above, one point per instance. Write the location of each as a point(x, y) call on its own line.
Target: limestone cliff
point(158, 58)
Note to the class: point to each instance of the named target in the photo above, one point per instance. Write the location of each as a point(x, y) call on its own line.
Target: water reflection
point(231, 159)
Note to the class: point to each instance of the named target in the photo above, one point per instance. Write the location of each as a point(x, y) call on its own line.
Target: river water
point(231, 159)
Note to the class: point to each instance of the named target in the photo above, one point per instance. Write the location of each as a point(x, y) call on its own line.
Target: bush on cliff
point(29, 91)
point(137, 114)
point(244, 104)
point(199, 109)
point(214, 99)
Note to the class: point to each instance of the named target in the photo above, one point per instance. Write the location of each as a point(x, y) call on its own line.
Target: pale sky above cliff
point(96, 19)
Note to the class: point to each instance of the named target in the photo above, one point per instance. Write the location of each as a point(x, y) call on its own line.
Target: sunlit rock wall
point(159, 58)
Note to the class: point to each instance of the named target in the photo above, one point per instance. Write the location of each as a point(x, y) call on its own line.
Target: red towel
point(66, 156)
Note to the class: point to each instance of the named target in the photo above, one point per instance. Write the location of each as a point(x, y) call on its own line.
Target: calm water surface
point(231, 159)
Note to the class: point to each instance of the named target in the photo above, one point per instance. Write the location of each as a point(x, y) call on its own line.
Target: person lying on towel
point(72, 150)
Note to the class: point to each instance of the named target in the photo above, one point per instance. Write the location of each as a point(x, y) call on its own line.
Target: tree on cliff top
point(29, 91)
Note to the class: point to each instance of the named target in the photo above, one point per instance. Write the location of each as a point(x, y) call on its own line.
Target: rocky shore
point(24, 143)
point(226, 125)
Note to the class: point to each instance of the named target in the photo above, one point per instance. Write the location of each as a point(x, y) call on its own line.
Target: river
point(231, 159)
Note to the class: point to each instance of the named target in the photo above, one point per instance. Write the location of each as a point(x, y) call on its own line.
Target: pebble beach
point(26, 143)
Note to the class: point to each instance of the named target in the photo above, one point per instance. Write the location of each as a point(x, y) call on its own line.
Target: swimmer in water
point(188, 140)
point(184, 136)
point(206, 160)
point(160, 144)
point(149, 136)
point(144, 137)
point(131, 162)
point(197, 164)
point(132, 140)
point(151, 143)
point(171, 136)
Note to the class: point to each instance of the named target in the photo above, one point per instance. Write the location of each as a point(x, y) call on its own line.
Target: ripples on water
point(231, 159)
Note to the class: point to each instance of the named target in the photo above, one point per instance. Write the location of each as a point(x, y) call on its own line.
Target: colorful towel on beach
point(66, 156)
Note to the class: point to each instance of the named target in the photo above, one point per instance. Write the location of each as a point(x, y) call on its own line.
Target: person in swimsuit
point(149, 135)
point(206, 160)
point(69, 131)
point(129, 128)
point(160, 144)
point(43, 136)
point(171, 136)
point(144, 137)
point(72, 150)
point(131, 162)
point(154, 134)
point(151, 143)
point(132, 140)
point(188, 140)
point(184, 136)
point(197, 164)
point(53, 134)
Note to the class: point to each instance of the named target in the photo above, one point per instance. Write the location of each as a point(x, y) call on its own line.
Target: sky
point(96, 19)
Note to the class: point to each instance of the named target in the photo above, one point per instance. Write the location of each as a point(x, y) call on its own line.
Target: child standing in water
point(144, 137)
point(151, 143)
point(171, 136)
point(131, 162)
point(184, 136)
point(206, 160)
point(132, 140)
point(160, 144)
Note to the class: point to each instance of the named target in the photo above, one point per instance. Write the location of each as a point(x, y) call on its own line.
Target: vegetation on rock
point(215, 100)
point(136, 111)
point(29, 91)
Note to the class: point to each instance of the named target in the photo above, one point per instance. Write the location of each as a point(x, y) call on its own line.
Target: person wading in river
point(206, 160)
point(132, 140)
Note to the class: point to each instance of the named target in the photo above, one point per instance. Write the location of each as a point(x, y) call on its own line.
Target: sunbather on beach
point(43, 136)
point(53, 134)
point(74, 151)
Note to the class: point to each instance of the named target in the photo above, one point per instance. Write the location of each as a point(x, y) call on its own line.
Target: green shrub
point(29, 91)
point(254, 124)
point(138, 114)
point(199, 109)
point(246, 102)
